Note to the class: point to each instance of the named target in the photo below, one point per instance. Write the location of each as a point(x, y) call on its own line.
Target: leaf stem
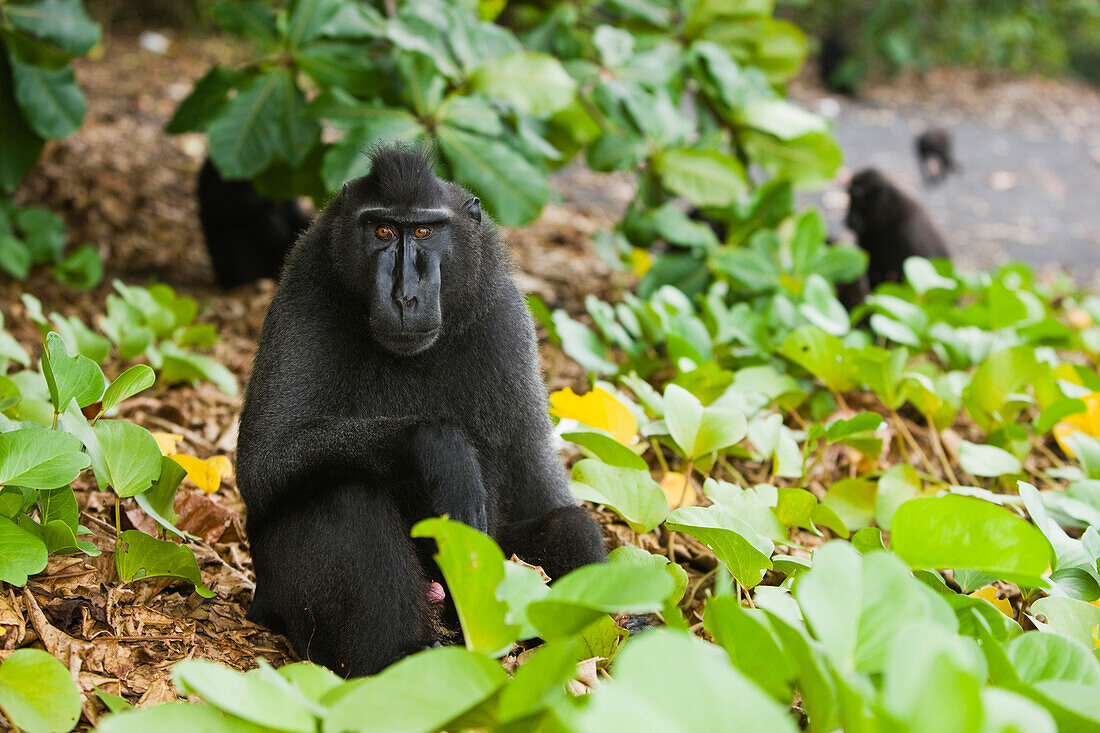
point(660, 455)
point(118, 514)
point(937, 444)
point(900, 424)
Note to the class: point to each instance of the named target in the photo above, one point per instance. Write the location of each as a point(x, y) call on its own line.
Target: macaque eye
point(421, 232)
point(384, 232)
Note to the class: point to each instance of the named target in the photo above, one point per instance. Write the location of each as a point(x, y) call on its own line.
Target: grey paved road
point(1024, 192)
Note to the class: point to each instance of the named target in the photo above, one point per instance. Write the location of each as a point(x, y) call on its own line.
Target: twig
point(912, 441)
point(937, 444)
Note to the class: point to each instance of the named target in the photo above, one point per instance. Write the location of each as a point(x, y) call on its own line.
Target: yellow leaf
point(989, 593)
point(678, 492)
point(640, 261)
point(167, 442)
point(206, 474)
point(222, 464)
point(1087, 422)
point(597, 409)
point(1078, 318)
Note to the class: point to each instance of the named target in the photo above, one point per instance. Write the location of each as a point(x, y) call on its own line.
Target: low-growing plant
point(34, 235)
point(39, 96)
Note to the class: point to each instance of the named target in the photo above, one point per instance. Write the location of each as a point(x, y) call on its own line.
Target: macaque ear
point(473, 208)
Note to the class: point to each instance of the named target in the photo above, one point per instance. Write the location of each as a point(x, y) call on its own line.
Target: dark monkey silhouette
point(890, 226)
point(247, 235)
point(934, 154)
point(396, 379)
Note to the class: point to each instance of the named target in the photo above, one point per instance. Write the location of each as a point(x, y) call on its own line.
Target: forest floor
point(124, 185)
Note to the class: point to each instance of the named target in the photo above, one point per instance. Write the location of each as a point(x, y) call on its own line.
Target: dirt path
point(1029, 151)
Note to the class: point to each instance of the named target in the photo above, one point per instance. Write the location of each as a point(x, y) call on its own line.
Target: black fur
point(934, 155)
point(833, 62)
point(248, 236)
point(890, 226)
point(345, 441)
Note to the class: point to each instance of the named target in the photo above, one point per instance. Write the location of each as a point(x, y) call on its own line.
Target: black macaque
point(247, 235)
point(396, 379)
point(934, 155)
point(890, 226)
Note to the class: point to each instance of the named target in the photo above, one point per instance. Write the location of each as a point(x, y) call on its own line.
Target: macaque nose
point(410, 302)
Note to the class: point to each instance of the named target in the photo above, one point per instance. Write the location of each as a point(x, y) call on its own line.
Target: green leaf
point(43, 233)
point(51, 100)
point(607, 449)
point(857, 604)
point(21, 554)
point(965, 532)
point(785, 120)
point(703, 177)
point(307, 20)
point(922, 275)
point(473, 566)
point(740, 548)
point(247, 696)
point(254, 20)
point(19, 145)
point(747, 638)
point(31, 50)
point(424, 692)
point(135, 379)
point(159, 501)
point(37, 693)
point(346, 160)
point(138, 556)
point(512, 189)
point(176, 717)
point(987, 460)
point(128, 458)
point(1059, 674)
point(40, 459)
point(536, 83)
point(633, 494)
point(15, 258)
point(82, 269)
point(186, 366)
point(589, 592)
point(1069, 617)
point(700, 430)
point(640, 698)
point(70, 377)
point(895, 487)
point(582, 345)
point(987, 395)
point(115, 703)
point(540, 682)
point(206, 99)
point(821, 307)
point(61, 22)
point(822, 355)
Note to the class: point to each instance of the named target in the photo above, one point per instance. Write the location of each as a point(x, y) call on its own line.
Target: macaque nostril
point(410, 302)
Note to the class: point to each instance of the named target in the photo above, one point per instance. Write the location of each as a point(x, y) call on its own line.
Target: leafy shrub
point(433, 69)
point(34, 235)
point(39, 96)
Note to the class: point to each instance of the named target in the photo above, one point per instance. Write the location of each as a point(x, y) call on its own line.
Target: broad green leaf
point(607, 449)
point(510, 187)
point(740, 548)
point(246, 696)
point(781, 118)
point(536, 83)
point(1061, 675)
point(1008, 712)
point(1071, 618)
point(43, 232)
point(137, 556)
point(640, 698)
point(51, 100)
point(313, 680)
point(589, 592)
point(582, 345)
point(15, 258)
point(181, 365)
point(540, 682)
point(821, 308)
point(70, 377)
point(965, 532)
point(922, 275)
point(21, 553)
point(135, 379)
point(987, 460)
point(129, 460)
point(255, 20)
point(424, 692)
point(633, 494)
point(81, 269)
point(473, 566)
point(37, 693)
point(822, 355)
point(987, 395)
point(307, 20)
point(807, 160)
point(856, 605)
point(115, 703)
point(40, 459)
point(64, 23)
point(700, 430)
point(19, 149)
point(346, 160)
point(853, 500)
point(895, 487)
point(206, 100)
point(705, 178)
point(747, 638)
point(30, 50)
point(626, 555)
point(521, 586)
point(177, 717)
